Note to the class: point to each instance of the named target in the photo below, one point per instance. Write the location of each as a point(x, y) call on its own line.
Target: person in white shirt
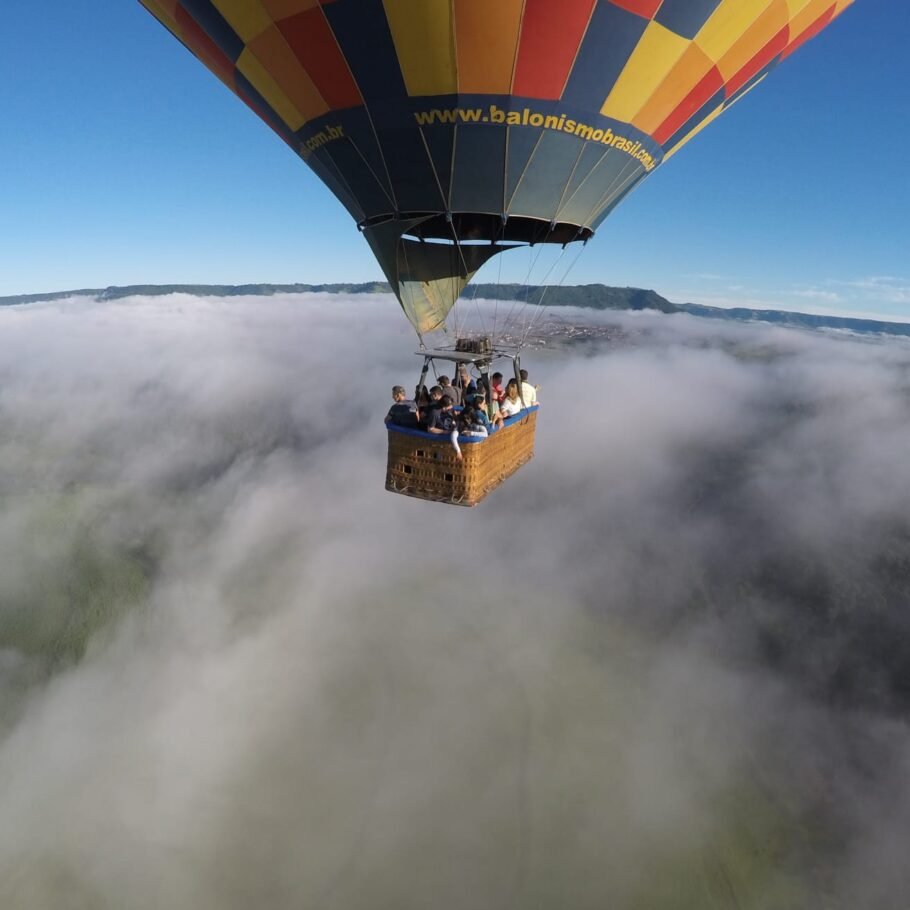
point(528, 391)
point(511, 404)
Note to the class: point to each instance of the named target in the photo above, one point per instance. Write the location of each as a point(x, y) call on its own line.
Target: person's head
point(512, 389)
point(496, 378)
point(423, 396)
point(444, 381)
point(447, 402)
point(463, 373)
point(435, 393)
point(524, 375)
point(398, 393)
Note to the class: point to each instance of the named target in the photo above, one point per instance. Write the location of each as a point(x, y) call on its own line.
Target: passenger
point(496, 390)
point(511, 405)
point(448, 389)
point(473, 422)
point(403, 412)
point(435, 398)
point(427, 403)
point(468, 386)
point(441, 421)
point(528, 391)
point(423, 404)
point(480, 409)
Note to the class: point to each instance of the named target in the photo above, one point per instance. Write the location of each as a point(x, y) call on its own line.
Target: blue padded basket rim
point(467, 440)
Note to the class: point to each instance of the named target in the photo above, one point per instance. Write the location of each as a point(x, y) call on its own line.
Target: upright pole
point(485, 384)
point(516, 363)
point(423, 376)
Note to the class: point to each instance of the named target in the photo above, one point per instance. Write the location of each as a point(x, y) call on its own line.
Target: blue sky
point(124, 161)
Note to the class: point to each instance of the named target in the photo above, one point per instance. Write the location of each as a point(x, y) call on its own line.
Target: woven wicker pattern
point(428, 469)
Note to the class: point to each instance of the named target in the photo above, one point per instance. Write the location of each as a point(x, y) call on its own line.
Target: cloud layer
point(666, 665)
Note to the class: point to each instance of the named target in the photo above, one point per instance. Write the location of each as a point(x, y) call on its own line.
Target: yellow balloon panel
point(248, 18)
point(658, 51)
point(423, 33)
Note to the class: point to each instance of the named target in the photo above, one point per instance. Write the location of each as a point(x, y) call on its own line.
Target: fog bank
point(665, 665)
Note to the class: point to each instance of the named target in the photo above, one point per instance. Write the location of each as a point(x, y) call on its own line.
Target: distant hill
point(591, 296)
point(800, 320)
point(594, 296)
point(199, 290)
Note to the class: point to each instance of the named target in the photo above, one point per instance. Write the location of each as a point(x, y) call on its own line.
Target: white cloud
point(879, 289)
point(236, 672)
point(880, 297)
point(818, 294)
point(706, 276)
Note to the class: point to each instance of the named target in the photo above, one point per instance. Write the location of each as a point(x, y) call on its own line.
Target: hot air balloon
point(453, 130)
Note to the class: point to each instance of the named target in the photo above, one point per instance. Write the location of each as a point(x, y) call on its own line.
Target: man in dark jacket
point(403, 412)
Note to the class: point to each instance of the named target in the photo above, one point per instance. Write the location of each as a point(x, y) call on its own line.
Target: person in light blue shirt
point(480, 407)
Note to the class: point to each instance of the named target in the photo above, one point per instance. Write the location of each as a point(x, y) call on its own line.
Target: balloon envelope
point(453, 129)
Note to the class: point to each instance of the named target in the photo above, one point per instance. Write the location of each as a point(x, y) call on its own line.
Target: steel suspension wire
point(479, 310)
point(494, 338)
point(540, 306)
point(520, 305)
point(464, 263)
point(455, 238)
point(508, 320)
point(621, 180)
point(502, 235)
point(477, 306)
point(528, 314)
point(526, 325)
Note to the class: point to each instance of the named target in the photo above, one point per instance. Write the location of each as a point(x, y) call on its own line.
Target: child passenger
point(474, 422)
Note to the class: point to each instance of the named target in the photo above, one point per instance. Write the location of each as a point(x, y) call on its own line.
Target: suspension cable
point(545, 286)
point(533, 256)
point(540, 306)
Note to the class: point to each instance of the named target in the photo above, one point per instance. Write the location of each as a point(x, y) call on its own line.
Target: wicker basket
point(425, 466)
